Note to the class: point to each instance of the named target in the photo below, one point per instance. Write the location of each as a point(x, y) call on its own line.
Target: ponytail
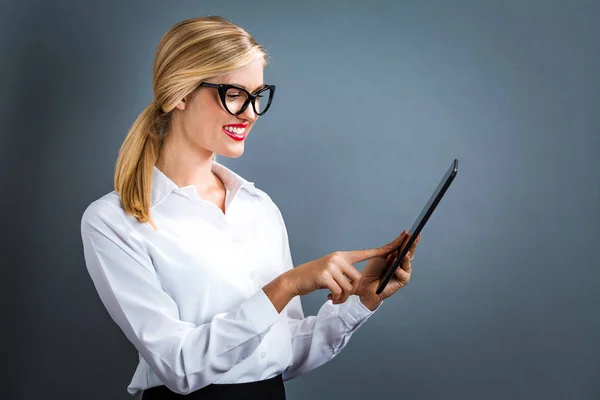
point(137, 156)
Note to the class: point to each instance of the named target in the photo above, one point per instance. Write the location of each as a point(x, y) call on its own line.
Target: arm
point(186, 357)
point(318, 339)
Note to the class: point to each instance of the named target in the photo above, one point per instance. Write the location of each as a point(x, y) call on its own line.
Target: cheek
point(205, 121)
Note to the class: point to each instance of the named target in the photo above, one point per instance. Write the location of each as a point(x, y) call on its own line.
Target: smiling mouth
point(236, 131)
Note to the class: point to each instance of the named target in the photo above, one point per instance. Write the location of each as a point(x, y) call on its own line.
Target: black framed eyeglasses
point(236, 99)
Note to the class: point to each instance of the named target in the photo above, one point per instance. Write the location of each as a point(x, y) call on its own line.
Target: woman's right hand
point(335, 272)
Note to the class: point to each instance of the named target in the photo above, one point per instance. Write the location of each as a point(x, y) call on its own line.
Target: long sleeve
point(318, 339)
point(185, 357)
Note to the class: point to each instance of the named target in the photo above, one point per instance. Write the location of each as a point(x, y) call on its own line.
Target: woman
point(192, 261)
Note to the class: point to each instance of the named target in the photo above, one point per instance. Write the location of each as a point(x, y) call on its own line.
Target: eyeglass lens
point(236, 98)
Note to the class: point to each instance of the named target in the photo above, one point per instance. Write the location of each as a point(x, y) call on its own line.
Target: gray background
point(374, 101)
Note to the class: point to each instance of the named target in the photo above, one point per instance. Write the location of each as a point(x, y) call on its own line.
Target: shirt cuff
point(260, 311)
point(353, 311)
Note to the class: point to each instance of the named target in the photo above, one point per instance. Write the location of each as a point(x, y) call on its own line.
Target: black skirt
point(272, 389)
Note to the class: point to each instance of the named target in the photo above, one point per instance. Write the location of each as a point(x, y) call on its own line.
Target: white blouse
point(189, 296)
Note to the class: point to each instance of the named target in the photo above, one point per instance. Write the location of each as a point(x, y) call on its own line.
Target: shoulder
point(104, 212)
point(264, 198)
point(269, 207)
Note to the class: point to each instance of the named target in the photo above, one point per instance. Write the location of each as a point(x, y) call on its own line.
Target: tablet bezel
point(420, 223)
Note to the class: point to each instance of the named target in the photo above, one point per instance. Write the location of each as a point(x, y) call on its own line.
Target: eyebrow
point(244, 86)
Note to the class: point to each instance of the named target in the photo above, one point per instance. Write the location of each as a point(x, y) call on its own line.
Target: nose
point(248, 114)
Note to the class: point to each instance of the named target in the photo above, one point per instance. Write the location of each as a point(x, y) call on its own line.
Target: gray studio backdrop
point(374, 100)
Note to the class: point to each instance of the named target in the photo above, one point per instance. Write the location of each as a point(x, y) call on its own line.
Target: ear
point(181, 104)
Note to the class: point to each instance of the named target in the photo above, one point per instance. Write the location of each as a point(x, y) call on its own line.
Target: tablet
point(419, 224)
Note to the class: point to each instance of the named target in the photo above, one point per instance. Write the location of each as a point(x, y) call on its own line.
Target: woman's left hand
point(371, 275)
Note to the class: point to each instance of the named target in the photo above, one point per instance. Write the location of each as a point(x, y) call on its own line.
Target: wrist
point(279, 292)
point(286, 282)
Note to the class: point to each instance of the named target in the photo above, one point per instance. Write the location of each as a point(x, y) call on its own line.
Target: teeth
point(237, 131)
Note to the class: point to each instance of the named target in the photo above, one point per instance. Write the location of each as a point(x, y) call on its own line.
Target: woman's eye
point(233, 96)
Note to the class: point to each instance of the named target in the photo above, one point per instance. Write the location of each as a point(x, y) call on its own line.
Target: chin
point(231, 153)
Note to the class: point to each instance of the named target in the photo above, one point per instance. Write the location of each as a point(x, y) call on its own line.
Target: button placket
point(238, 241)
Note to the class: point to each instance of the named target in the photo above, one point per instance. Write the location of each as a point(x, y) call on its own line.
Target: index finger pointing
point(355, 256)
point(399, 242)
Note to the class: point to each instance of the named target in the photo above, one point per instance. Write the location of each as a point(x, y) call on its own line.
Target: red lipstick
point(235, 136)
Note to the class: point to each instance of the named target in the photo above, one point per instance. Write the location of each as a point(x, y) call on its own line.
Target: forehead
point(250, 77)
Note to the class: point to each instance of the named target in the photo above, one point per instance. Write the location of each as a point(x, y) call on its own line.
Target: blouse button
point(251, 274)
point(263, 354)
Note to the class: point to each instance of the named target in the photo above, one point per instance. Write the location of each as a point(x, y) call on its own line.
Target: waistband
point(272, 389)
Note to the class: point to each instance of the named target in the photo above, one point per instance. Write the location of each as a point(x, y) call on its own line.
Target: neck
point(186, 165)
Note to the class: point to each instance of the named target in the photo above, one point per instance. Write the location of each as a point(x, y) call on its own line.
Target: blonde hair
point(191, 51)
